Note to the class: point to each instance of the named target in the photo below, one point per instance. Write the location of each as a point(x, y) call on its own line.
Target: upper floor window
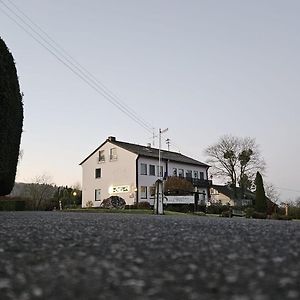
point(143, 169)
point(174, 173)
point(101, 156)
point(201, 175)
point(196, 174)
point(180, 172)
point(188, 174)
point(113, 154)
point(152, 170)
point(98, 173)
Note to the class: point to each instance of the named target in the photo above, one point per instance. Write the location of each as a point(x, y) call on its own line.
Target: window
point(196, 174)
point(98, 195)
point(113, 154)
point(98, 173)
point(180, 173)
point(152, 191)
point(174, 173)
point(101, 157)
point(161, 171)
point(143, 192)
point(201, 175)
point(152, 170)
point(188, 174)
point(143, 169)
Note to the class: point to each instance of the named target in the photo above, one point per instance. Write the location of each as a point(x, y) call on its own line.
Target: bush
point(259, 215)
point(12, 205)
point(294, 212)
point(143, 205)
point(89, 204)
point(216, 209)
point(276, 216)
point(249, 212)
point(226, 214)
point(184, 208)
point(113, 202)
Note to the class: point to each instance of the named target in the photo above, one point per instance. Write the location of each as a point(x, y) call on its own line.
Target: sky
point(202, 69)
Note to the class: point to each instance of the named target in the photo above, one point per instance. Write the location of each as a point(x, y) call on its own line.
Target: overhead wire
point(68, 61)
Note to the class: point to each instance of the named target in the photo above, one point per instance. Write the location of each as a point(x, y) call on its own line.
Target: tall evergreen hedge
point(11, 120)
point(260, 196)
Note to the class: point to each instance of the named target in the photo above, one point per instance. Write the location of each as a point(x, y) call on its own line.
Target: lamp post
point(74, 195)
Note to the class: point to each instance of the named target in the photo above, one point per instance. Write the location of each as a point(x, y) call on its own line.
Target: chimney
point(112, 138)
point(149, 145)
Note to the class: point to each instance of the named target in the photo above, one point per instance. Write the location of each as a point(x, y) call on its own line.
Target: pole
point(159, 147)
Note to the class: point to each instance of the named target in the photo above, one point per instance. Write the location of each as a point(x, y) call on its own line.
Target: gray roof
point(146, 151)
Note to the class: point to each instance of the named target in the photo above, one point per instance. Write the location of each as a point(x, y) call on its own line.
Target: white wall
point(148, 181)
point(120, 172)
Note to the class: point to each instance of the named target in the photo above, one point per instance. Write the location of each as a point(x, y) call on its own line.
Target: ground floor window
point(152, 191)
point(143, 192)
point(98, 195)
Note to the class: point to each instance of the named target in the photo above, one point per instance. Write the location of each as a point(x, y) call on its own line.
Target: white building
point(129, 171)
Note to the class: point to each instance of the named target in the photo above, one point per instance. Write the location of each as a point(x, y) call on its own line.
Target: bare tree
point(271, 192)
point(237, 159)
point(40, 190)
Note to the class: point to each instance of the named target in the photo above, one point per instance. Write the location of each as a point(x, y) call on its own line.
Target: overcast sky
point(201, 68)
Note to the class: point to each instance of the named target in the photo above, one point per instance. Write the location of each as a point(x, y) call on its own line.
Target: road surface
point(59, 255)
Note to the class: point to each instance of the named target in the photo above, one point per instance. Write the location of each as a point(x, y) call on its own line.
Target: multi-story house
point(130, 171)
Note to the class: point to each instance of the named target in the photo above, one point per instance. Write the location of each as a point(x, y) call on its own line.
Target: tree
point(260, 197)
point(177, 186)
point(236, 159)
point(41, 190)
point(11, 120)
point(271, 192)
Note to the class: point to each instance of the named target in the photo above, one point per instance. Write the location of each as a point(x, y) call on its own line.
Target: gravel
point(60, 255)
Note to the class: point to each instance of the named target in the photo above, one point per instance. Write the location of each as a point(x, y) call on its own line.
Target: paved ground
point(54, 255)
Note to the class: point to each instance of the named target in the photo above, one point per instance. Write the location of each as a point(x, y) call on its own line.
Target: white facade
point(112, 170)
point(147, 181)
point(118, 176)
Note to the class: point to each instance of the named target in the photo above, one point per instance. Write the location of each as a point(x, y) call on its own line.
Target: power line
point(68, 61)
point(287, 189)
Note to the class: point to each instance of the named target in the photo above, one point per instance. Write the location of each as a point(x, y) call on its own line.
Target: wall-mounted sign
point(119, 189)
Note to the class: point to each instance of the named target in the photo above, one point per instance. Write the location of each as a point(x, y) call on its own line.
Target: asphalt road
point(54, 255)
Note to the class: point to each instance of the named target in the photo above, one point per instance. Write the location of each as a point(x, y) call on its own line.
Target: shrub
point(143, 205)
point(89, 204)
point(259, 215)
point(184, 208)
point(276, 216)
point(249, 212)
point(226, 214)
point(12, 205)
point(294, 212)
point(113, 202)
point(216, 209)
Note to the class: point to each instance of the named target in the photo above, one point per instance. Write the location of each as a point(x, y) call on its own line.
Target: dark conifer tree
point(11, 120)
point(260, 196)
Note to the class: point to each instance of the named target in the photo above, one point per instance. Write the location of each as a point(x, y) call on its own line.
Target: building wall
point(116, 175)
point(219, 198)
point(149, 180)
